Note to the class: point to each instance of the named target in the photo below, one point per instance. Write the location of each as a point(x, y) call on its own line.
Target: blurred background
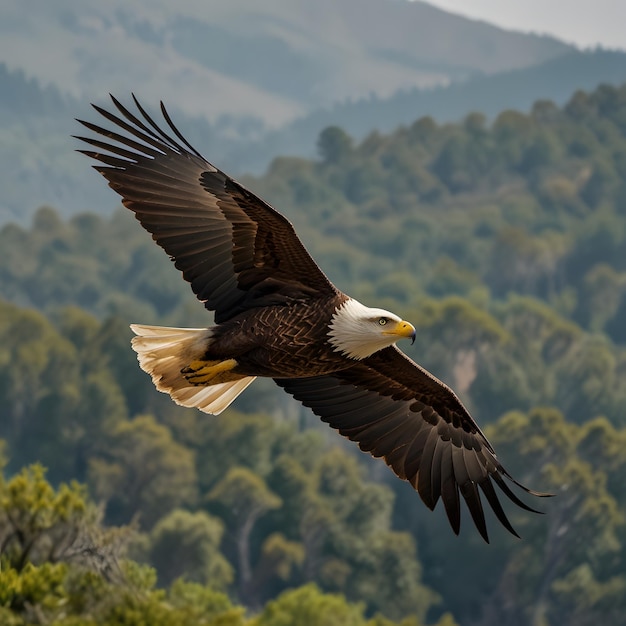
point(460, 163)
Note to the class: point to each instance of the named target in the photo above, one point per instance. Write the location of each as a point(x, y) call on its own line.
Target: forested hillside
point(38, 164)
point(554, 79)
point(503, 243)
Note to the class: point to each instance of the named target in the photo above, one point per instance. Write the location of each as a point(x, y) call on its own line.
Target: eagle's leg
point(210, 372)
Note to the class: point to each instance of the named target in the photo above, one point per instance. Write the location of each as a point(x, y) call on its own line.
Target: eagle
point(277, 315)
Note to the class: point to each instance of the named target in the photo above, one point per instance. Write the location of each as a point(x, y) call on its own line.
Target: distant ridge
point(269, 62)
point(554, 80)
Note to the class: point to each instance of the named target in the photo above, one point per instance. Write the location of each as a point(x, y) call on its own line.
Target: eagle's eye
point(382, 321)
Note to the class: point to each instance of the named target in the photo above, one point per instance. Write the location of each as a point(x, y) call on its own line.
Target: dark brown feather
point(235, 250)
point(394, 408)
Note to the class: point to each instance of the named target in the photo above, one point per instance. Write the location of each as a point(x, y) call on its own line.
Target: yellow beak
point(401, 329)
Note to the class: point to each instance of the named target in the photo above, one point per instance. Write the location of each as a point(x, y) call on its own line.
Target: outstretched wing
point(235, 250)
point(395, 409)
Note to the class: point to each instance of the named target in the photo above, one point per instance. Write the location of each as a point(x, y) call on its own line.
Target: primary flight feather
point(277, 315)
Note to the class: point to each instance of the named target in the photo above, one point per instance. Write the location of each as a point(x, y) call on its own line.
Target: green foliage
point(334, 145)
point(64, 392)
point(582, 536)
point(244, 494)
point(243, 497)
point(195, 540)
point(143, 472)
point(203, 605)
point(279, 557)
point(503, 243)
point(530, 204)
point(308, 606)
point(69, 593)
point(65, 596)
point(38, 524)
point(31, 590)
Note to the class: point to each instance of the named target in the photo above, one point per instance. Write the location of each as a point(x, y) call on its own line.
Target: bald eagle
point(277, 315)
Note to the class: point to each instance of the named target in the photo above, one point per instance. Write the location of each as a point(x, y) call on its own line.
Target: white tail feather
point(163, 352)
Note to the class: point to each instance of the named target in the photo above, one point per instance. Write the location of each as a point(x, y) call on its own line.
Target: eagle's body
point(280, 341)
point(278, 316)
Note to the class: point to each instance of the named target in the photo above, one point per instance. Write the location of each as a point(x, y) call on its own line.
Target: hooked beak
point(402, 329)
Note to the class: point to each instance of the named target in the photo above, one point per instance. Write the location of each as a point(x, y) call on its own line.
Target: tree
point(276, 566)
point(512, 131)
point(363, 559)
point(193, 539)
point(67, 596)
point(334, 145)
point(41, 525)
point(35, 364)
point(58, 394)
point(601, 291)
point(580, 598)
point(583, 524)
point(244, 497)
point(451, 165)
point(308, 606)
point(143, 471)
point(61, 566)
point(228, 440)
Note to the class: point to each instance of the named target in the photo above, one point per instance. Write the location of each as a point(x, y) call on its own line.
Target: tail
point(163, 352)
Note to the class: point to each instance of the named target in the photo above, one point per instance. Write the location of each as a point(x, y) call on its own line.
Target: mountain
point(248, 82)
point(267, 63)
point(556, 80)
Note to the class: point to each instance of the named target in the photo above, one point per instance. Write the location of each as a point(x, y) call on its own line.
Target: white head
point(358, 331)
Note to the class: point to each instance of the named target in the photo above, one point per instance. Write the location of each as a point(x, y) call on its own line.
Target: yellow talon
point(205, 372)
point(194, 366)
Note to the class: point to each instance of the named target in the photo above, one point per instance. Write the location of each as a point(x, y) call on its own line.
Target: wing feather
point(395, 409)
point(424, 475)
point(251, 254)
point(450, 491)
point(436, 467)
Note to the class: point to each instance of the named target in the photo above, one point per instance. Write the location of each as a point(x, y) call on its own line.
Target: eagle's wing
point(235, 250)
point(395, 409)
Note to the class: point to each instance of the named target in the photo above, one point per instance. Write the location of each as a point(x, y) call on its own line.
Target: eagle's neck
point(352, 332)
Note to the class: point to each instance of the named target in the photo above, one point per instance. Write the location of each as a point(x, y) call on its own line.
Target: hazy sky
point(582, 22)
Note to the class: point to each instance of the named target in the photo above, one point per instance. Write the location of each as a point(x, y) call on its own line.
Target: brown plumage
point(278, 316)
